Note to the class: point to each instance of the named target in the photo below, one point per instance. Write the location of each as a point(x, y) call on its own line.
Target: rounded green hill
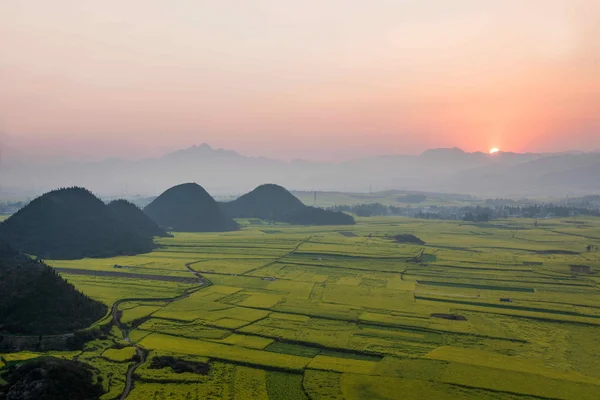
point(37, 301)
point(129, 214)
point(273, 202)
point(72, 223)
point(189, 208)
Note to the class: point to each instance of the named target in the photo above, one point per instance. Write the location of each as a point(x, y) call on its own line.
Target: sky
point(318, 80)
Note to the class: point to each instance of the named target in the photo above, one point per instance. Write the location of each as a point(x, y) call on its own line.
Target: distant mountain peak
point(444, 150)
point(203, 150)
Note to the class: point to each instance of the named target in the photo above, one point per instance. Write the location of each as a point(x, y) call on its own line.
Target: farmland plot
point(479, 311)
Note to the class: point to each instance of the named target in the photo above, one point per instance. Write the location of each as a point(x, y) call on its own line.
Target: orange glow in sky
point(317, 80)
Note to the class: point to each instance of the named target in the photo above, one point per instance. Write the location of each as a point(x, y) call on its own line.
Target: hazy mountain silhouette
point(189, 208)
point(228, 172)
point(36, 300)
point(134, 218)
point(70, 224)
point(273, 202)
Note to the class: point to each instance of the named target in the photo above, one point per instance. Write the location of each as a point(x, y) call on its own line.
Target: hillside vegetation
point(129, 214)
point(189, 208)
point(273, 202)
point(49, 378)
point(36, 300)
point(73, 223)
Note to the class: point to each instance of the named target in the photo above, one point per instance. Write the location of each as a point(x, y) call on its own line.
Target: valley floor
point(508, 309)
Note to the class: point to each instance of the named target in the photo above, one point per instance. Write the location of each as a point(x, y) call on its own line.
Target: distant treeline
point(537, 210)
point(592, 201)
point(370, 210)
point(470, 213)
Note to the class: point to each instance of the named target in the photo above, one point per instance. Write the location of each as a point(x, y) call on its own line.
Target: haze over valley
point(226, 172)
point(300, 200)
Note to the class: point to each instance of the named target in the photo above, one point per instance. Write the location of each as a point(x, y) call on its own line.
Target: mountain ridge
point(225, 172)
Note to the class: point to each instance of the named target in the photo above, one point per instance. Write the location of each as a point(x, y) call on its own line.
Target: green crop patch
point(270, 231)
point(347, 365)
point(481, 311)
point(120, 355)
point(479, 287)
point(282, 385)
point(224, 352)
point(293, 349)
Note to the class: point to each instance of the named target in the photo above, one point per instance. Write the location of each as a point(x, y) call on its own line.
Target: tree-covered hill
point(72, 223)
point(265, 202)
point(273, 202)
point(189, 208)
point(49, 378)
point(35, 300)
point(133, 217)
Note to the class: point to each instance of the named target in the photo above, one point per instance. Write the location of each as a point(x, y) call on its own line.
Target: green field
point(292, 312)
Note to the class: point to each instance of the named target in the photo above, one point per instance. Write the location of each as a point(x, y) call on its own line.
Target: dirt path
point(279, 258)
point(130, 371)
point(141, 355)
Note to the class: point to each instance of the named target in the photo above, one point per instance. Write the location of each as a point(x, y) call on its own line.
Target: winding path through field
point(279, 258)
point(141, 355)
point(130, 371)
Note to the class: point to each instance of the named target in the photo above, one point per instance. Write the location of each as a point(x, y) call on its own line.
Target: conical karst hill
point(274, 202)
point(72, 223)
point(189, 208)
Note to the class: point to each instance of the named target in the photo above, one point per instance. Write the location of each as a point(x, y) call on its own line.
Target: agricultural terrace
point(499, 310)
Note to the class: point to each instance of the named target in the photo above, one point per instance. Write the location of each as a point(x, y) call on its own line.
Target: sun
point(494, 150)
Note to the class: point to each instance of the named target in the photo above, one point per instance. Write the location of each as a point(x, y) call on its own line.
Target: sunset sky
point(322, 80)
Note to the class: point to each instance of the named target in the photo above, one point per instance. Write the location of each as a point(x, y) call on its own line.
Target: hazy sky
point(312, 79)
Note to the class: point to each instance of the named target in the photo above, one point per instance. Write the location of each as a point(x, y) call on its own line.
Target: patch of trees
point(476, 217)
point(428, 215)
point(275, 203)
point(179, 365)
point(452, 317)
point(35, 300)
point(369, 210)
point(494, 209)
point(408, 238)
point(72, 223)
point(49, 378)
point(189, 208)
point(544, 210)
